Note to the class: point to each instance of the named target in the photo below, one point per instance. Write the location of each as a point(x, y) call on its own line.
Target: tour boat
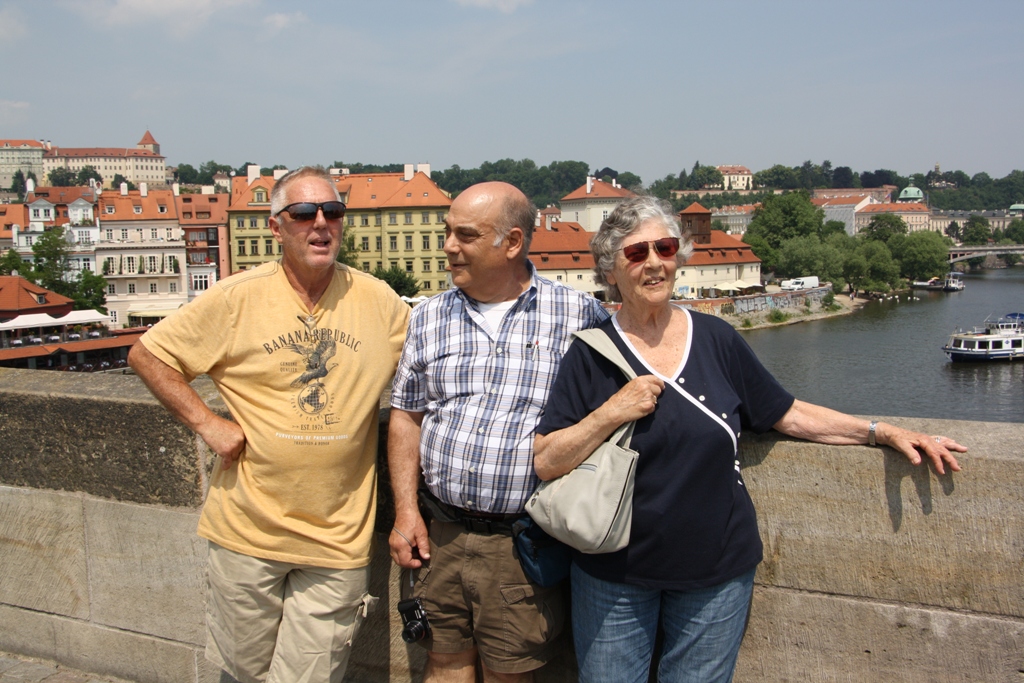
point(999, 339)
point(953, 282)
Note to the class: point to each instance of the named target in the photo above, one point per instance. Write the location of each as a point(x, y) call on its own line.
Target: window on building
point(172, 287)
point(426, 265)
point(268, 247)
point(151, 264)
point(109, 208)
point(378, 242)
point(152, 233)
point(129, 265)
point(280, 248)
point(393, 218)
point(440, 216)
point(137, 210)
point(111, 288)
point(366, 266)
point(109, 234)
point(351, 221)
point(240, 223)
point(131, 287)
point(170, 233)
point(441, 263)
point(392, 264)
point(160, 208)
point(152, 288)
point(260, 196)
point(393, 242)
point(364, 220)
point(408, 242)
point(377, 220)
point(254, 247)
point(113, 316)
point(426, 242)
point(252, 221)
point(408, 217)
point(35, 213)
point(426, 284)
point(124, 233)
point(365, 243)
point(200, 282)
point(425, 218)
point(83, 237)
point(241, 247)
point(379, 265)
point(408, 266)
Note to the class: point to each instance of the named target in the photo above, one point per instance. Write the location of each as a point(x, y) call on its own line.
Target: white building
point(736, 178)
point(844, 209)
point(590, 203)
point(140, 164)
point(20, 155)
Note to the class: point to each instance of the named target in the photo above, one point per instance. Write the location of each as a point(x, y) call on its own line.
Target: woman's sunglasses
point(637, 253)
point(306, 211)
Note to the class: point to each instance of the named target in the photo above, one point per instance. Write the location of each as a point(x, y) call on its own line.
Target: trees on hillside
point(61, 177)
point(883, 226)
point(87, 173)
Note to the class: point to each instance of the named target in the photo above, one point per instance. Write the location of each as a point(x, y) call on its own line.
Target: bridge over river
point(965, 252)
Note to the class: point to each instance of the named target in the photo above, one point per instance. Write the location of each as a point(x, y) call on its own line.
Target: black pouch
point(545, 560)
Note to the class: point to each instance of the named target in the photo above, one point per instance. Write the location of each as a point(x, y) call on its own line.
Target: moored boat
point(998, 339)
point(954, 282)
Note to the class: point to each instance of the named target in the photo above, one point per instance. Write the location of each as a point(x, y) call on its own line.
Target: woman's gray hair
point(620, 224)
point(279, 192)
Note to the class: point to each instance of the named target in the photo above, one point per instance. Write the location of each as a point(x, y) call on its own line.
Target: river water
point(887, 359)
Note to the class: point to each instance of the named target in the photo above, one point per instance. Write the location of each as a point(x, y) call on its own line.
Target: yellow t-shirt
point(304, 388)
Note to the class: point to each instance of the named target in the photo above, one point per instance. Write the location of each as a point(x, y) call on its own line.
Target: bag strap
point(603, 344)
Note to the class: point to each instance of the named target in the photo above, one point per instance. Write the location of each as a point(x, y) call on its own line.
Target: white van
point(807, 282)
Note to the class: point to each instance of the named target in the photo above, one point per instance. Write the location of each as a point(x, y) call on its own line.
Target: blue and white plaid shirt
point(483, 395)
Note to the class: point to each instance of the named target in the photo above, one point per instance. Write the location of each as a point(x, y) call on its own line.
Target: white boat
point(954, 282)
point(999, 339)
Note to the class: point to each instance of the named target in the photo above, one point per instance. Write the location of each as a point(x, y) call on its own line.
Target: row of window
point(172, 288)
point(136, 208)
point(393, 242)
point(150, 264)
point(254, 247)
point(154, 234)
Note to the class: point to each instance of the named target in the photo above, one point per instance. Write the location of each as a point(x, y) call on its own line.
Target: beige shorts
point(474, 593)
point(277, 622)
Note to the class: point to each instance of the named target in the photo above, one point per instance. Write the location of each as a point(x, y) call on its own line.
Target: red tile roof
point(20, 143)
point(77, 152)
point(242, 193)
point(721, 250)
point(908, 207)
point(71, 347)
point(12, 214)
point(565, 247)
point(19, 296)
point(736, 209)
point(599, 190)
point(124, 206)
point(734, 170)
point(62, 195)
point(148, 139)
point(190, 206)
point(390, 190)
point(695, 208)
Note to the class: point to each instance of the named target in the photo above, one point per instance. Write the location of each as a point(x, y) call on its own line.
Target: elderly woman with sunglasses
point(694, 544)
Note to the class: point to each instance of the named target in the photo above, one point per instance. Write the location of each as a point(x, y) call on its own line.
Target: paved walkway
point(18, 669)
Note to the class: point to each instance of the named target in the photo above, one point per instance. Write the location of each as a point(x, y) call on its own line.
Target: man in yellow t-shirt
point(300, 351)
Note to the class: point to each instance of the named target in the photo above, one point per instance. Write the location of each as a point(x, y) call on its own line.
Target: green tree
point(11, 262)
point(922, 255)
point(1015, 231)
point(884, 226)
point(402, 282)
point(118, 179)
point(61, 177)
point(777, 177)
point(630, 181)
point(705, 176)
point(52, 262)
point(90, 292)
point(810, 256)
point(783, 217)
point(662, 189)
point(977, 231)
point(1009, 259)
point(18, 184)
point(209, 169)
point(348, 253)
point(842, 177)
point(832, 228)
point(882, 272)
point(87, 173)
point(186, 174)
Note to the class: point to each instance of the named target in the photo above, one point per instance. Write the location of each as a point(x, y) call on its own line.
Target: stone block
point(96, 649)
point(42, 552)
point(147, 570)
point(795, 636)
point(105, 435)
point(861, 521)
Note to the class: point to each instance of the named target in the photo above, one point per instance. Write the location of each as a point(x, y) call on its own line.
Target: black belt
point(473, 522)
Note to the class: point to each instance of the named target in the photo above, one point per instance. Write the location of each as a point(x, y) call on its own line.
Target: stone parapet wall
point(874, 570)
point(755, 303)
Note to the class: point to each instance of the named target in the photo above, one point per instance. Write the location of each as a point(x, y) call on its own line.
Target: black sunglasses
point(306, 211)
point(637, 253)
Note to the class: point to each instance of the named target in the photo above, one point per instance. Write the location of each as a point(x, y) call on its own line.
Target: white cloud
point(12, 112)
point(181, 17)
point(504, 6)
point(279, 21)
point(13, 22)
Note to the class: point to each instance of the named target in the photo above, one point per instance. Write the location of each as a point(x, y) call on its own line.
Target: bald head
point(505, 205)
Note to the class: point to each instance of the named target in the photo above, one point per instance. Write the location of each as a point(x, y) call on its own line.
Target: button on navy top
point(693, 522)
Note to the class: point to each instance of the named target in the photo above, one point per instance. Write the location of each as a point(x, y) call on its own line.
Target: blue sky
point(648, 87)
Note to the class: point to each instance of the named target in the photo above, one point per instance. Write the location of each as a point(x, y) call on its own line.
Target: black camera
point(415, 619)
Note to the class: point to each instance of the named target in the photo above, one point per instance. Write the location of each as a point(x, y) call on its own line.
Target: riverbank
point(842, 305)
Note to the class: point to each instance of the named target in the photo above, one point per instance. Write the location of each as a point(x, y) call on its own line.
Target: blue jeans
point(614, 627)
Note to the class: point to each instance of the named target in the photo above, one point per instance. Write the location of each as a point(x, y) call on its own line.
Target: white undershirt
point(494, 313)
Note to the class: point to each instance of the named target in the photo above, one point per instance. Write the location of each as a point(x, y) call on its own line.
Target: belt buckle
point(475, 525)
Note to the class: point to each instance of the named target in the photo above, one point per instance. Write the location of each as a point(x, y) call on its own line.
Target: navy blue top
point(694, 524)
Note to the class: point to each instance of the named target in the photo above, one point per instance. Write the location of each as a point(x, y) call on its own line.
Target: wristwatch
point(871, 432)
